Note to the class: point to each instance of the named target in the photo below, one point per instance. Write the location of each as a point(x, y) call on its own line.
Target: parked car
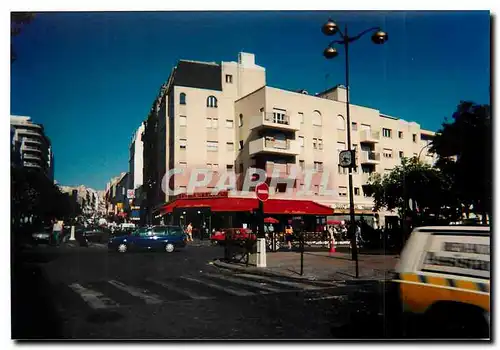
point(235, 234)
point(164, 238)
point(41, 237)
point(96, 235)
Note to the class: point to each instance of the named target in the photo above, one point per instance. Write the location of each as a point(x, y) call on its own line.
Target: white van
point(444, 276)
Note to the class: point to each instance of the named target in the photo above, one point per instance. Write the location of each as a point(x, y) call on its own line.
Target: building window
point(240, 120)
point(301, 141)
point(315, 142)
point(183, 143)
point(414, 137)
point(356, 191)
point(212, 123)
point(212, 102)
point(182, 98)
point(229, 167)
point(401, 154)
point(229, 124)
point(301, 117)
point(340, 122)
point(301, 164)
point(400, 134)
point(182, 120)
point(320, 143)
point(342, 191)
point(229, 78)
point(230, 146)
point(386, 132)
point(241, 145)
point(354, 126)
point(183, 164)
point(212, 146)
point(387, 153)
point(317, 118)
point(279, 116)
point(318, 166)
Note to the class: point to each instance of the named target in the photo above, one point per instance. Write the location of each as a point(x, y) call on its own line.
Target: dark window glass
point(182, 98)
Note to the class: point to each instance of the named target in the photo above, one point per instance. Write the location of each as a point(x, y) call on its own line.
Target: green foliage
point(34, 195)
point(464, 149)
point(412, 180)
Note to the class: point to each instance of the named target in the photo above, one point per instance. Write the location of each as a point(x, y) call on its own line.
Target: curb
point(261, 271)
point(266, 272)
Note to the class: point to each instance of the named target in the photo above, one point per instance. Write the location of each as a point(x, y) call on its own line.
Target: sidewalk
point(320, 266)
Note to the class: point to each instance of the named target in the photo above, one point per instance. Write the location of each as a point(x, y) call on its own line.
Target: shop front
point(207, 212)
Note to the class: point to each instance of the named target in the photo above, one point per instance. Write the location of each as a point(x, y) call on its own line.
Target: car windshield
point(175, 231)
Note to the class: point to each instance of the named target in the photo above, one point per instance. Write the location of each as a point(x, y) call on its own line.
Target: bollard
point(72, 236)
point(302, 254)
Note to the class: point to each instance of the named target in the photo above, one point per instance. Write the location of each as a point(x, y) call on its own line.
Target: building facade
point(30, 147)
point(136, 164)
point(224, 117)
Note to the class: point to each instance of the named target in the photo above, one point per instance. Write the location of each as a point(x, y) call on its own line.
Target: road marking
point(136, 292)
point(222, 288)
point(247, 283)
point(178, 290)
point(327, 297)
point(95, 299)
point(286, 283)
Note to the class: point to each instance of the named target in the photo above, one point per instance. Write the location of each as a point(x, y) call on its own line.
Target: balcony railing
point(279, 144)
point(369, 136)
point(370, 157)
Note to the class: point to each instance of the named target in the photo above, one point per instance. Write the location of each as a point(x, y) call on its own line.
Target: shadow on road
point(34, 314)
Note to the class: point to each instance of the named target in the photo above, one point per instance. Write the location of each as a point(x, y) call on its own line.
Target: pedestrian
point(56, 232)
point(189, 232)
point(330, 232)
point(289, 236)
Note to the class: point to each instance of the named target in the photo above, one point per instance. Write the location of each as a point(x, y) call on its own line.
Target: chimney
point(337, 93)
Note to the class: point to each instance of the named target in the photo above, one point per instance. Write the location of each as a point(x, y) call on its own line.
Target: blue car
point(164, 238)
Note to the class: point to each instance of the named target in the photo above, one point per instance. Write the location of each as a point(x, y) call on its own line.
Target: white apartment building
point(225, 117)
point(30, 146)
point(136, 159)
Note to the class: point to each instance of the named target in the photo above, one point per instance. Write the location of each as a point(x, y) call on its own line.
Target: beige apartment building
point(224, 117)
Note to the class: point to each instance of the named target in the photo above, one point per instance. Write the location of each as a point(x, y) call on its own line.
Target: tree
point(17, 21)
point(464, 149)
point(35, 196)
point(426, 187)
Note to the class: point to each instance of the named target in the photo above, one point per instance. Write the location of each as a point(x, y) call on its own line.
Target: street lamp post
point(347, 158)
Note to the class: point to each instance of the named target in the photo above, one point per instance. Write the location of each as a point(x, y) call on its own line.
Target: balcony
point(365, 177)
point(369, 157)
point(369, 136)
point(25, 147)
point(31, 165)
point(282, 170)
point(275, 121)
point(273, 146)
point(31, 156)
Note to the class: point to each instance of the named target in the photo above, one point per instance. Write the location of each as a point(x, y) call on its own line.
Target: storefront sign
point(221, 194)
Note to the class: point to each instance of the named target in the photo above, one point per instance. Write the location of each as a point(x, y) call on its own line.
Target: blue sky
point(91, 78)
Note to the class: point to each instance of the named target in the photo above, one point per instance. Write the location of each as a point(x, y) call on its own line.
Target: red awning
point(215, 204)
point(272, 206)
point(295, 207)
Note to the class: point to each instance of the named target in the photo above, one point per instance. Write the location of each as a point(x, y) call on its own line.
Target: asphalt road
point(88, 293)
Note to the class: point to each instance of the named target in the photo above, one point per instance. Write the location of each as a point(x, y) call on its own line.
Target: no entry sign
point(262, 191)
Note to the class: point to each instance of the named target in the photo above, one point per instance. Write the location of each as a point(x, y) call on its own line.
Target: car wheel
point(122, 248)
point(169, 247)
